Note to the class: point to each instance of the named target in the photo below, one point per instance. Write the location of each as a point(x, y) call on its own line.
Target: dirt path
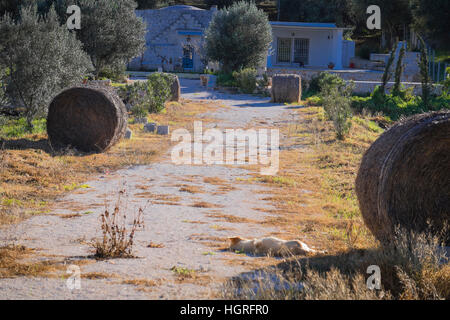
point(189, 213)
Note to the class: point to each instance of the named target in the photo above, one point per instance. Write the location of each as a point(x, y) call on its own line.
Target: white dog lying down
point(270, 246)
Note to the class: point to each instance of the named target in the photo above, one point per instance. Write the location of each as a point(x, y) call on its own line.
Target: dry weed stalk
point(117, 241)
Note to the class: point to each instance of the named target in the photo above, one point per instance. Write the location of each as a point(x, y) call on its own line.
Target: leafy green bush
point(337, 105)
point(405, 104)
point(324, 80)
point(160, 84)
point(115, 73)
point(226, 80)
point(147, 96)
point(447, 81)
point(246, 80)
point(314, 101)
point(364, 51)
point(139, 95)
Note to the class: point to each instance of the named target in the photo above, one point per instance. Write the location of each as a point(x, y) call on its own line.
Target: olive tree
point(111, 32)
point(238, 37)
point(42, 57)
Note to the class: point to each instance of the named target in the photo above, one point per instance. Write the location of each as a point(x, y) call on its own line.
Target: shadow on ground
point(41, 144)
point(26, 144)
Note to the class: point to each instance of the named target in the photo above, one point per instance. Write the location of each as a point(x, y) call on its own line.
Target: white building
point(310, 45)
point(175, 33)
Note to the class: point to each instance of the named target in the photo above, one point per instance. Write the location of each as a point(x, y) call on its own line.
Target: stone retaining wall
point(369, 86)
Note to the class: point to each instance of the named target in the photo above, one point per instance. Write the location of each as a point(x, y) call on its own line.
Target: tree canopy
point(239, 37)
point(42, 58)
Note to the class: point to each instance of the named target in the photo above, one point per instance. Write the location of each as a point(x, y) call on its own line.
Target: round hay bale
point(404, 178)
point(91, 119)
point(286, 88)
point(175, 89)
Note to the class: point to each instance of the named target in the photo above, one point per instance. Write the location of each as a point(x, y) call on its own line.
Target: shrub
point(161, 91)
point(398, 73)
point(139, 110)
point(424, 73)
point(43, 56)
point(387, 69)
point(139, 96)
point(405, 104)
point(314, 101)
point(246, 80)
point(324, 80)
point(364, 51)
point(337, 105)
point(147, 96)
point(115, 73)
point(226, 80)
point(238, 37)
point(447, 81)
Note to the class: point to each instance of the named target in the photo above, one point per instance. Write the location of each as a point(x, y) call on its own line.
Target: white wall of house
point(325, 46)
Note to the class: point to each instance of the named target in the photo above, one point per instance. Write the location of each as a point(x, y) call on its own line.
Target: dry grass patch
point(194, 222)
point(313, 192)
point(204, 204)
point(229, 218)
point(97, 275)
point(69, 216)
point(32, 176)
point(191, 189)
point(155, 245)
point(411, 268)
point(215, 180)
point(17, 261)
point(158, 196)
point(142, 282)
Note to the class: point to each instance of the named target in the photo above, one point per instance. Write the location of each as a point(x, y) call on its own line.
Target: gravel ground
point(192, 237)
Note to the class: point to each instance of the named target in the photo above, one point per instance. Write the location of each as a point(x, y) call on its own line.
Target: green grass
point(16, 128)
point(368, 124)
point(116, 84)
point(74, 186)
point(182, 271)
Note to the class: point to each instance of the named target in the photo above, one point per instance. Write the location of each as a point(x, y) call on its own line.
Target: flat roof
point(304, 24)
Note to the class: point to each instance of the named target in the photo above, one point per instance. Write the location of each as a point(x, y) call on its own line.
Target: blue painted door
point(188, 57)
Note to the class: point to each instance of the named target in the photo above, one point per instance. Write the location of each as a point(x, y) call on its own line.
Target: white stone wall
point(166, 35)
